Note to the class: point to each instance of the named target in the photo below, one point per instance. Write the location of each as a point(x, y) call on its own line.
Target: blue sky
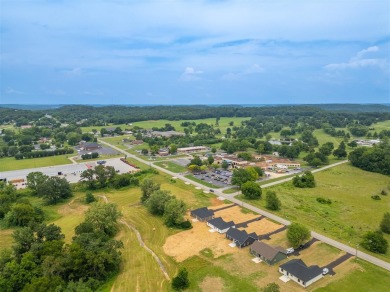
point(194, 52)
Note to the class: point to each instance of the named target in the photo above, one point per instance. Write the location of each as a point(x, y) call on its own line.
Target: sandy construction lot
point(190, 242)
point(233, 214)
point(261, 227)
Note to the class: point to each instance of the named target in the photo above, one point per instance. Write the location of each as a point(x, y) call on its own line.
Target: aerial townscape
point(194, 146)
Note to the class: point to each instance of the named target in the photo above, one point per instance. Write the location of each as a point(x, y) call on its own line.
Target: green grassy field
point(10, 163)
point(380, 126)
point(367, 278)
point(223, 124)
point(351, 213)
point(171, 166)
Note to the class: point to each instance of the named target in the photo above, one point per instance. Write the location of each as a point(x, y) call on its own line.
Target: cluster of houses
point(266, 162)
point(295, 269)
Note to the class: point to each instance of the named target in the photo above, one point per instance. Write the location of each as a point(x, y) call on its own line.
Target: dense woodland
point(125, 114)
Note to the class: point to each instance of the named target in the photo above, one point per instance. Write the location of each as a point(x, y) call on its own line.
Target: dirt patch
point(212, 284)
point(234, 214)
point(216, 202)
point(190, 242)
point(73, 207)
point(263, 226)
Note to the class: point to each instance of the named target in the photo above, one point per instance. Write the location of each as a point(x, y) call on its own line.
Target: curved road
point(230, 197)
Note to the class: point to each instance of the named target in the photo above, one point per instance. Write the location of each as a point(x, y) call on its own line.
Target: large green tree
point(55, 190)
point(174, 211)
point(181, 281)
point(148, 187)
point(297, 234)
point(35, 180)
point(103, 217)
point(375, 242)
point(272, 201)
point(251, 190)
point(241, 176)
point(157, 202)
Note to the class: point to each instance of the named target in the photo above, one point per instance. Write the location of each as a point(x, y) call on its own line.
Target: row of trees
point(51, 189)
point(162, 203)
point(375, 159)
point(41, 261)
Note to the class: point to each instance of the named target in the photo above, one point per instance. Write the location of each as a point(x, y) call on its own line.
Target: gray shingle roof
point(266, 250)
point(240, 235)
point(203, 212)
point(220, 223)
point(299, 269)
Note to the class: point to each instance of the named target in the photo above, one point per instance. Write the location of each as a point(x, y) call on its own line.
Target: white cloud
point(254, 69)
point(11, 90)
point(190, 74)
point(358, 61)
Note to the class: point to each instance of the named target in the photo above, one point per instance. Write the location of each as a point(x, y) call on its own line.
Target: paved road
point(283, 221)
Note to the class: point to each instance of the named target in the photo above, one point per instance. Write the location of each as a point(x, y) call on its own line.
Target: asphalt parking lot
point(71, 172)
point(219, 178)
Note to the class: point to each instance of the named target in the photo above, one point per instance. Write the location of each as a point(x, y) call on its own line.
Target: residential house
point(219, 225)
point(297, 271)
point(240, 237)
point(267, 253)
point(202, 214)
point(166, 134)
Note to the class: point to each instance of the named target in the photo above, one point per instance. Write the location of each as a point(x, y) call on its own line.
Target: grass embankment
point(10, 163)
point(171, 166)
point(349, 215)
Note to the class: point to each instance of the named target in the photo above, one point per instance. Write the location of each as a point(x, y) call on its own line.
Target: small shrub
point(376, 197)
point(90, 198)
point(186, 225)
point(324, 201)
point(181, 282)
point(384, 193)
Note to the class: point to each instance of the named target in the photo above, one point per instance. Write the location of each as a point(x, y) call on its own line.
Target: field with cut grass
point(10, 163)
point(223, 124)
point(171, 166)
point(351, 212)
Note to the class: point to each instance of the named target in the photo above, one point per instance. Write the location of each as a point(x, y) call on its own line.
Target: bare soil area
point(262, 227)
point(190, 242)
point(234, 214)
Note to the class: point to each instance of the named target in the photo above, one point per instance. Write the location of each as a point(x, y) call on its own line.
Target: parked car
point(290, 250)
point(325, 271)
point(211, 190)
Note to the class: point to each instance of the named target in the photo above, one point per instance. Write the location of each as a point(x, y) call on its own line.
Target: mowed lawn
point(10, 163)
point(367, 278)
point(223, 124)
point(352, 212)
point(171, 166)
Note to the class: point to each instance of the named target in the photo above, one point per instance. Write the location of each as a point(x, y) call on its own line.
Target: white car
point(290, 250)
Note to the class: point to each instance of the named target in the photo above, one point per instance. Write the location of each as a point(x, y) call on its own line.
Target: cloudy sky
point(194, 52)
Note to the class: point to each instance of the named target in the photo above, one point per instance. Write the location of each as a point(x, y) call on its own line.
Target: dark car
point(211, 190)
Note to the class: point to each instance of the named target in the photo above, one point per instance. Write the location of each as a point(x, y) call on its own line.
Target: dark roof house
point(297, 271)
point(202, 214)
point(240, 237)
point(267, 253)
point(218, 224)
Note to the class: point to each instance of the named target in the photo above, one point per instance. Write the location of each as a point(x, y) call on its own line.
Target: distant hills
point(330, 107)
